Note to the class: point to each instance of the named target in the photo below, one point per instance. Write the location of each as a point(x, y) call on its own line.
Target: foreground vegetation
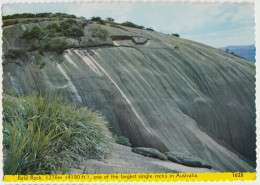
point(43, 134)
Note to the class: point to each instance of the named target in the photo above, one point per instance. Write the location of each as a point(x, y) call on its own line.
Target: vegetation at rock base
point(43, 134)
point(122, 140)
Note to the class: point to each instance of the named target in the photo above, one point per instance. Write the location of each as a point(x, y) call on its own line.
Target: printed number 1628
point(237, 174)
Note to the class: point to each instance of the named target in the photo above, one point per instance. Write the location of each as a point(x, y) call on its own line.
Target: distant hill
point(248, 52)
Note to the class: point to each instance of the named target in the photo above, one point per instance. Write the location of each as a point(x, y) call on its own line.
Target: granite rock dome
point(158, 90)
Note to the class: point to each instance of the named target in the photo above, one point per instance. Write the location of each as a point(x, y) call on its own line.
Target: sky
point(214, 24)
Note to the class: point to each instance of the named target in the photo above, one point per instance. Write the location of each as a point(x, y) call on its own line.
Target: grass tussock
point(43, 134)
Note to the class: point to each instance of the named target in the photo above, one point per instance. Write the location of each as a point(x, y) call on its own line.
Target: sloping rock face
point(160, 91)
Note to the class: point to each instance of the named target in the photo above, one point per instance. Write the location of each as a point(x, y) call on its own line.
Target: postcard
point(129, 91)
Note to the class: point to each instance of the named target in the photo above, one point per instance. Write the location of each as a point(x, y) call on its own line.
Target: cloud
point(244, 13)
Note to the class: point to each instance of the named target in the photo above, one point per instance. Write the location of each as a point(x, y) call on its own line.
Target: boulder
point(187, 160)
point(140, 40)
point(149, 152)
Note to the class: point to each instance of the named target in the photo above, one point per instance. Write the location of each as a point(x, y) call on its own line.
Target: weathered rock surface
point(149, 152)
point(161, 92)
point(122, 160)
point(187, 159)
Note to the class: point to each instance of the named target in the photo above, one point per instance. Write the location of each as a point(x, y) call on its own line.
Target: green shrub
point(150, 29)
point(54, 26)
point(14, 53)
point(63, 15)
point(176, 47)
point(83, 22)
point(42, 14)
point(67, 28)
point(38, 15)
point(71, 22)
point(52, 33)
point(54, 30)
point(33, 47)
point(64, 25)
point(43, 133)
point(95, 18)
point(35, 33)
point(110, 19)
point(102, 22)
point(25, 21)
point(99, 32)
point(130, 24)
point(58, 46)
point(23, 15)
point(10, 22)
point(99, 20)
point(76, 32)
point(122, 140)
point(42, 64)
point(37, 20)
point(14, 16)
point(71, 28)
point(175, 34)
